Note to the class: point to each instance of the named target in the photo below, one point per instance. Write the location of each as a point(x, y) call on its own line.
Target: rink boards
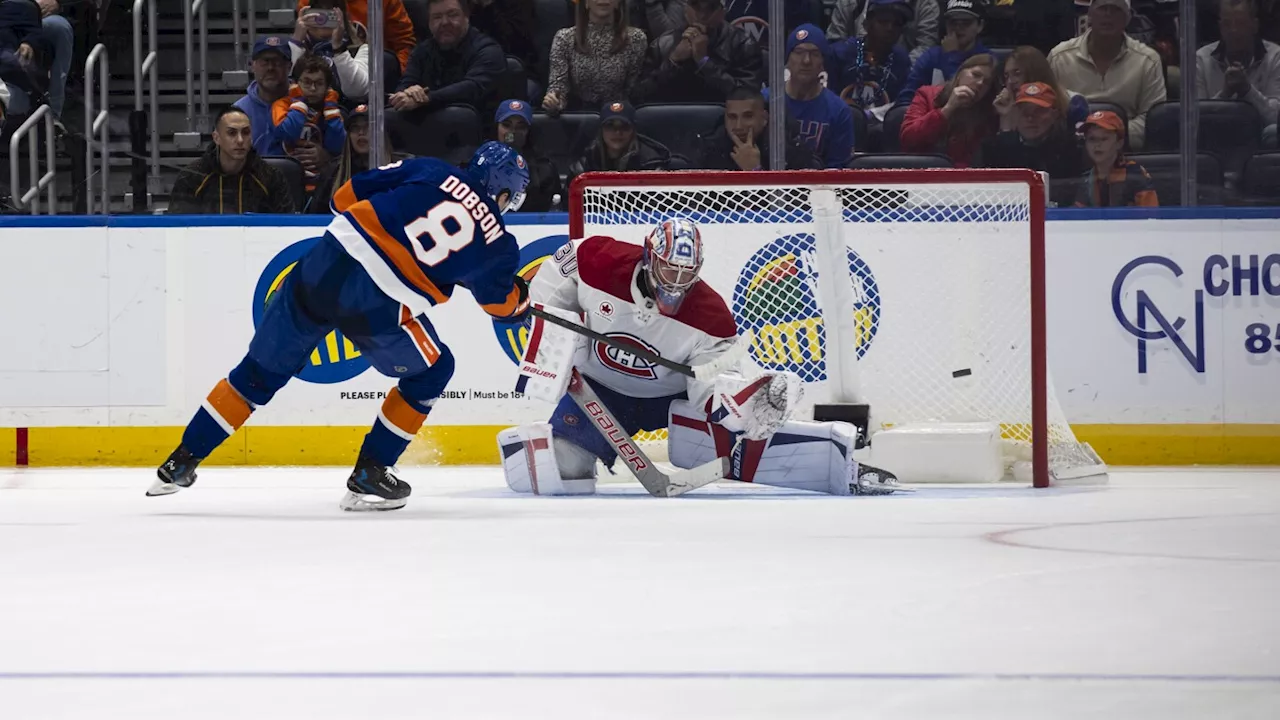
point(1164, 340)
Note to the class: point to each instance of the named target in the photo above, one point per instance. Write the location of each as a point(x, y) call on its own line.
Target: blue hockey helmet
point(499, 168)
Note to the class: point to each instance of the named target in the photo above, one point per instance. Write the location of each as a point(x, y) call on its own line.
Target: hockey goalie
point(650, 298)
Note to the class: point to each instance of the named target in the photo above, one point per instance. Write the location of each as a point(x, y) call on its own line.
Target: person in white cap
point(1106, 65)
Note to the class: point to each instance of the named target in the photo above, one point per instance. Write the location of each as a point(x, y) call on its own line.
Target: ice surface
point(251, 595)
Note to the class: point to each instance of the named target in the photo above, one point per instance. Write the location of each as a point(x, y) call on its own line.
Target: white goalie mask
point(672, 260)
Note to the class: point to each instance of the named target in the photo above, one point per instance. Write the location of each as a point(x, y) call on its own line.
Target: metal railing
point(238, 77)
point(147, 65)
point(31, 198)
point(197, 124)
point(96, 125)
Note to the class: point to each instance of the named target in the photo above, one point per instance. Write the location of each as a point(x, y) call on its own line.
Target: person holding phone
point(323, 29)
point(397, 32)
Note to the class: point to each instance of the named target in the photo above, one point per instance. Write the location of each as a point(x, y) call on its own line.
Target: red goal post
point(941, 317)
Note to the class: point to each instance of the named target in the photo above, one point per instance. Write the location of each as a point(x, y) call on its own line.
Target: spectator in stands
point(597, 59)
point(1241, 66)
point(1025, 65)
point(271, 61)
point(953, 119)
point(1105, 65)
point(397, 34)
point(920, 32)
point(939, 64)
point(21, 40)
point(515, 128)
point(619, 146)
point(1114, 181)
point(742, 143)
point(825, 121)
point(703, 61)
point(354, 159)
point(510, 23)
point(59, 43)
point(1042, 139)
point(309, 115)
point(868, 71)
point(230, 178)
point(457, 65)
point(323, 29)
point(657, 17)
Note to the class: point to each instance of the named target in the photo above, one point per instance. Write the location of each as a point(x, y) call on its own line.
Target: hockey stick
point(705, 372)
point(657, 482)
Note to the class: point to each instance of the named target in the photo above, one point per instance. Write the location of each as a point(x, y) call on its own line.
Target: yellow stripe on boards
point(1200, 444)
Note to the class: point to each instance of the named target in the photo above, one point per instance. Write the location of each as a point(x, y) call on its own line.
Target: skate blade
point(160, 487)
point(351, 502)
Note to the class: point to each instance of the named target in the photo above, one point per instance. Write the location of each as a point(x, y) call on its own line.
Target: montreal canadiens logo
point(625, 362)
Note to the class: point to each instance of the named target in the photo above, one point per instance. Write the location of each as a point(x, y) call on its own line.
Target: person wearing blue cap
point(964, 22)
point(271, 62)
point(619, 147)
point(869, 71)
point(514, 120)
point(825, 121)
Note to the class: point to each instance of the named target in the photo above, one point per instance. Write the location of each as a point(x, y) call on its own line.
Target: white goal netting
point(914, 297)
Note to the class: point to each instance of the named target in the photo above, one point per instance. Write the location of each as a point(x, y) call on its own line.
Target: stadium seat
point(892, 161)
point(1260, 179)
point(1232, 129)
point(1166, 174)
point(450, 133)
point(861, 134)
point(551, 16)
point(513, 85)
point(292, 171)
point(563, 139)
point(678, 126)
point(893, 128)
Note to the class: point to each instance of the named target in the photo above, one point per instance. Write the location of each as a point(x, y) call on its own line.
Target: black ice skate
point(178, 472)
point(374, 487)
point(875, 481)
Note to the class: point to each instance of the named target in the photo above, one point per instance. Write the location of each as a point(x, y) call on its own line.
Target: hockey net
point(917, 292)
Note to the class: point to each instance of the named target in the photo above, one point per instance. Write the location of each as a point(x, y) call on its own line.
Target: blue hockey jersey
point(421, 226)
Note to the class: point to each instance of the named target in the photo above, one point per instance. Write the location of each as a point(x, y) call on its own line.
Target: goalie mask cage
point(918, 292)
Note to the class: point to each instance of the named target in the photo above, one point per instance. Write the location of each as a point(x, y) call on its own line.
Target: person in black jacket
point(619, 146)
point(457, 65)
point(230, 178)
point(702, 62)
point(1043, 141)
point(742, 142)
point(515, 128)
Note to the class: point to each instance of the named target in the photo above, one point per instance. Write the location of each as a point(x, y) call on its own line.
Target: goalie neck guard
point(672, 260)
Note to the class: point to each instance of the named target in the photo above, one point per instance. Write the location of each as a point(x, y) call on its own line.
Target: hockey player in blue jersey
point(404, 236)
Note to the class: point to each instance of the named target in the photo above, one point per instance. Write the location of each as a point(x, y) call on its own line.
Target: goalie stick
point(657, 482)
point(706, 372)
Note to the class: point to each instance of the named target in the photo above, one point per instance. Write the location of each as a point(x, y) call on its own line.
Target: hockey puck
point(961, 373)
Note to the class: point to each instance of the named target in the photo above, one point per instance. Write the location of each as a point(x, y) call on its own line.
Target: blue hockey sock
point(219, 416)
point(397, 423)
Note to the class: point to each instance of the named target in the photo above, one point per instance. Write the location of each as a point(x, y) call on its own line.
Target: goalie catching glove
point(757, 408)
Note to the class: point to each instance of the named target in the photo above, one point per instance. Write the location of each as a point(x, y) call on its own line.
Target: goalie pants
point(635, 414)
point(326, 291)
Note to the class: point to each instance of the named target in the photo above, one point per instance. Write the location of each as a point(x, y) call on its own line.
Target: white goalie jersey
point(599, 278)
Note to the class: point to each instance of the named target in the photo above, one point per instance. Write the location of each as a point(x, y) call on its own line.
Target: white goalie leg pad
point(814, 456)
point(531, 462)
point(549, 357)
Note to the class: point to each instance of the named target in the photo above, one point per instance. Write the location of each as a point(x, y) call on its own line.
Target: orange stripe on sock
point(227, 403)
point(426, 346)
point(398, 254)
point(400, 413)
